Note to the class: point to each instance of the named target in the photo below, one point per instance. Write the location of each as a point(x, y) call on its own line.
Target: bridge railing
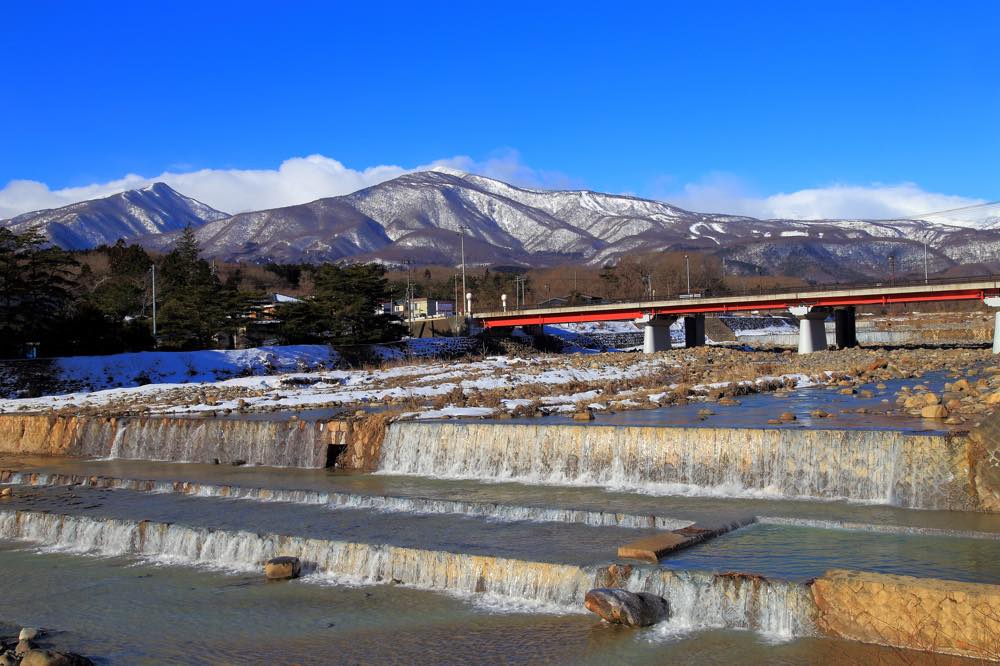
point(827, 286)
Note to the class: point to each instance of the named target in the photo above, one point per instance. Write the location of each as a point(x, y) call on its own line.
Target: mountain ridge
point(420, 217)
point(154, 209)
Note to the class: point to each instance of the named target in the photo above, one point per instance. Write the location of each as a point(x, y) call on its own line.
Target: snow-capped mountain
point(420, 218)
point(156, 209)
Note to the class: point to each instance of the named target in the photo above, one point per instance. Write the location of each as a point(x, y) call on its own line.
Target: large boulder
point(28, 634)
point(632, 609)
point(282, 568)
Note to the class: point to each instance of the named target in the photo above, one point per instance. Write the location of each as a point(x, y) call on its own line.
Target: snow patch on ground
point(137, 369)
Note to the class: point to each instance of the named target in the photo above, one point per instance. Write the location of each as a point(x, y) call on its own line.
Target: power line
point(988, 204)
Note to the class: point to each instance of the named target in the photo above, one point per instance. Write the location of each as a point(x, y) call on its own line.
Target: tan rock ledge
point(914, 613)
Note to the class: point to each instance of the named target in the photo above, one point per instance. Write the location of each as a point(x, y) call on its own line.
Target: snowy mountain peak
point(154, 209)
point(423, 217)
point(448, 171)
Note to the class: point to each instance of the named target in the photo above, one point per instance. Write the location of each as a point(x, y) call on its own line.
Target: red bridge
point(811, 307)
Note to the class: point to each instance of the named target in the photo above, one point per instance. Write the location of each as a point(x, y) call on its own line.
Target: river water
point(475, 541)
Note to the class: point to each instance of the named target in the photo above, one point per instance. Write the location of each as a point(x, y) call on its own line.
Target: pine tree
point(344, 309)
point(35, 292)
point(195, 308)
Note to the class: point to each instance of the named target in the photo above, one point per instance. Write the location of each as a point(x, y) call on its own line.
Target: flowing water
point(700, 600)
point(313, 621)
point(538, 501)
point(799, 553)
point(861, 465)
point(878, 411)
point(471, 539)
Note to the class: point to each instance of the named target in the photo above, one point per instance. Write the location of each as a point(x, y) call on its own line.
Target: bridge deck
point(876, 295)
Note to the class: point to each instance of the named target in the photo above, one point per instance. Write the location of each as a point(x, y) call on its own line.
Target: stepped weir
point(700, 599)
point(281, 443)
point(941, 616)
point(926, 471)
point(883, 467)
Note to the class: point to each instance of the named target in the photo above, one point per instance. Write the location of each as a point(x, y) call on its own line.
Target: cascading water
point(338, 500)
point(276, 443)
point(884, 467)
point(255, 441)
point(698, 600)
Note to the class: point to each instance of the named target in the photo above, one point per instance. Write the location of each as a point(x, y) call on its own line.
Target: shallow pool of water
point(756, 409)
point(801, 553)
point(526, 540)
point(704, 509)
point(123, 611)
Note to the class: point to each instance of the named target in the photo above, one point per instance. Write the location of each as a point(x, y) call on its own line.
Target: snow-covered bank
point(74, 374)
point(208, 365)
point(94, 373)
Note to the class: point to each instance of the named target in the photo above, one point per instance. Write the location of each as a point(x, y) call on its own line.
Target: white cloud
point(303, 179)
point(506, 165)
point(296, 180)
point(724, 193)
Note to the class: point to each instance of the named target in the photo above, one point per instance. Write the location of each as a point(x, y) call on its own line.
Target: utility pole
point(152, 270)
point(687, 269)
point(892, 270)
point(926, 280)
point(409, 292)
point(462, 231)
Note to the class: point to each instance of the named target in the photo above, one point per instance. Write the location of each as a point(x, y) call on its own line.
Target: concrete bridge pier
point(534, 330)
point(846, 327)
point(994, 302)
point(812, 327)
point(694, 330)
point(656, 332)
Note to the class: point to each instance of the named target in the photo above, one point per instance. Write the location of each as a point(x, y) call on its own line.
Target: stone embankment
point(906, 612)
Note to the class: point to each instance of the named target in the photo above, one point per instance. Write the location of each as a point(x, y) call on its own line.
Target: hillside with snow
point(419, 217)
point(157, 209)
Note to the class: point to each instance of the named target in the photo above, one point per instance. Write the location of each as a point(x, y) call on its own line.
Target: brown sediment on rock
point(613, 575)
point(915, 613)
point(363, 444)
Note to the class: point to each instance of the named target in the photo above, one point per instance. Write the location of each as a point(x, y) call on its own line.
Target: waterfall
point(279, 443)
point(698, 600)
point(338, 500)
point(557, 584)
point(884, 467)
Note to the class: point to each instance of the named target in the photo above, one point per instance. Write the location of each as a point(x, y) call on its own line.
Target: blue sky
point(706, 103)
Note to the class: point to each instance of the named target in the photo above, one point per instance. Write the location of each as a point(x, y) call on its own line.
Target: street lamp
point(152, 270)
point(462, 230)
point(687, 269)
point(926, 280)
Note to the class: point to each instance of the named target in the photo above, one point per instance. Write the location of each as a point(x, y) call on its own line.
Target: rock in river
point(633, 609)
point(282, 568)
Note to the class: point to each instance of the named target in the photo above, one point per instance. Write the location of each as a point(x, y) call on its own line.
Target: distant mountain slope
point(156, 209)
point(419, 218)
